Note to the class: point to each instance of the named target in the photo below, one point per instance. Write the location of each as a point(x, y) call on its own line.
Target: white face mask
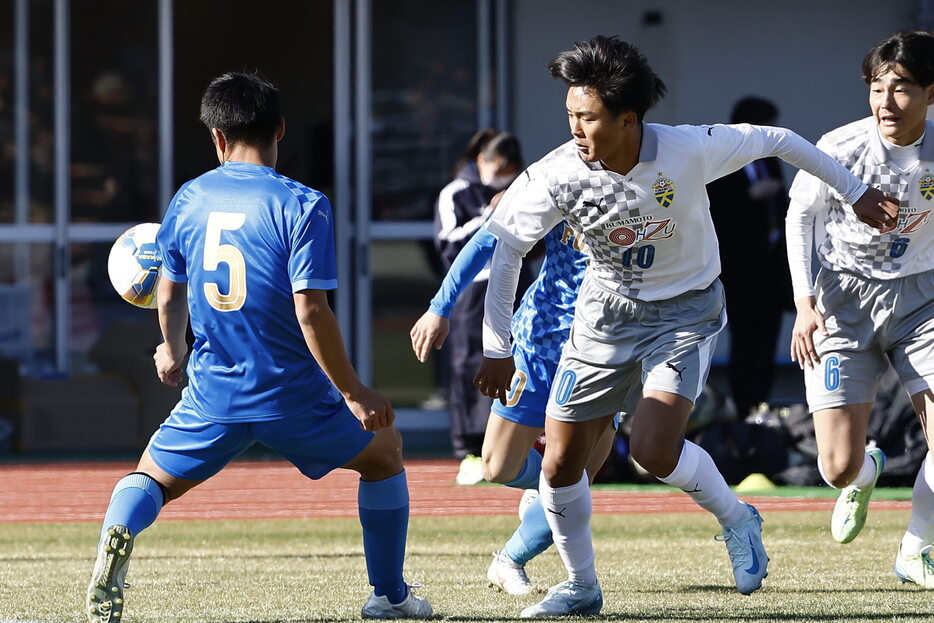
point(499, 182)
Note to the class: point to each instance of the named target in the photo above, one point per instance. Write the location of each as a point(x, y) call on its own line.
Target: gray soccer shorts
point(620, 347)
point(871, 322)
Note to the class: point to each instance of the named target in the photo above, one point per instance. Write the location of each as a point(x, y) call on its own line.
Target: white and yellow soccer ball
point(134, 264)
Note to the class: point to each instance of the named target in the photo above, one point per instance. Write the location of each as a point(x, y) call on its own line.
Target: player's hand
point(877, 209)
point(370, 407)
point(428, 332)
point(808, 321)
point(494, 377)
point(168, 365)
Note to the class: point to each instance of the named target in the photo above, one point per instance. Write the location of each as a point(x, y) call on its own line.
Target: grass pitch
point(652, 568)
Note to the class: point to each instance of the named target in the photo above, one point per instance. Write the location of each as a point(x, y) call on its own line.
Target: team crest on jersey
point(926, 186)
point(664, 190)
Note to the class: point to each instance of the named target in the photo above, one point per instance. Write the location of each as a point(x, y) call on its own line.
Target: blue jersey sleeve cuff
point(173, 277)
point(438, 309)
point(314, 284)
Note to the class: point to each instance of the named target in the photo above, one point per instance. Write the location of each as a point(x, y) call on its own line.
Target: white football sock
point(568, 512)
point(920, 531)
point(867, 472)
point(696, 474)
point(864, 477)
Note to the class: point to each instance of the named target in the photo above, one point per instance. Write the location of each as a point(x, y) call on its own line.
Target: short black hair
point(244, 106)
point(913, 50)
point(754, 110)
point(615, 69)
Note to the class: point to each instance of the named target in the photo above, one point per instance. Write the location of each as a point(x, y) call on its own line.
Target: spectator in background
point(748, 209)
point(491, 161)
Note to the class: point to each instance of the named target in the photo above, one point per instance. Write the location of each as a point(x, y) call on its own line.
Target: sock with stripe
point(135, 503)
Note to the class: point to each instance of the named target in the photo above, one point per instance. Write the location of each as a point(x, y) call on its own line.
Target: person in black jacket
point(748, 209)
point(491, 161)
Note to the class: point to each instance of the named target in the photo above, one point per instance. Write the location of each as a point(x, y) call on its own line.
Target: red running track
point(273, 489)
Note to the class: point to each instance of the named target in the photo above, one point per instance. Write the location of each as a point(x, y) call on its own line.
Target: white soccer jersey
point(844, 243)
point(649, 232)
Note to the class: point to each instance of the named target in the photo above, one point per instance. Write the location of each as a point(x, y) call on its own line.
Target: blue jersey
point(542, 322)
point(245, 238)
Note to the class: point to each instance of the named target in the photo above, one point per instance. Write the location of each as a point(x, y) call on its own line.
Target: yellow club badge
point(926, 186)
point(664, 190)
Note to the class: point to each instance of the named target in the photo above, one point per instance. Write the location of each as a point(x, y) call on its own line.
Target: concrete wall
point(804, 55)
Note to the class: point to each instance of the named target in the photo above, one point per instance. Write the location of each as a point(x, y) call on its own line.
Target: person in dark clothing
point(748, 209)
point(491, 161)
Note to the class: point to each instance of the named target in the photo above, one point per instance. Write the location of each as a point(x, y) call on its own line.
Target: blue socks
point(135, 503)
point(384, 515)
point(532, 537)
point(527, 478)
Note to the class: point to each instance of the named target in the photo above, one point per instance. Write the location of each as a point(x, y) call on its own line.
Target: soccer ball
point(134, 265)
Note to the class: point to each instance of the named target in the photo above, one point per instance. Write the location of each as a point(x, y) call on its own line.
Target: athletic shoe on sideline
point(565, 599)
point(917, 568)
point(743, 541)
point(528, 496)
point(471, 471)
point(412, 607)
point(508, 576)
point(849, 513)
point(105, 592)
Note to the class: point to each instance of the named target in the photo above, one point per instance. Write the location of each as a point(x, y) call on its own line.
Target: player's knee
point(382, 458)
point(654, 456)
point(495, 470)
point(560, 470)
point(839, 469)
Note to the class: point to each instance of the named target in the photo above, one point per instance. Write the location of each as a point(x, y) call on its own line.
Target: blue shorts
point(529, 391)
point(189, 447)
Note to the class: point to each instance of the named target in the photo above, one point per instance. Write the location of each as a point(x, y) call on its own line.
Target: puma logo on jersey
point(324, 214)
point(594, 204)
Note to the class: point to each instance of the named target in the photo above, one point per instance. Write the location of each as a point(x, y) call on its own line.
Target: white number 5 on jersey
point(215, 253)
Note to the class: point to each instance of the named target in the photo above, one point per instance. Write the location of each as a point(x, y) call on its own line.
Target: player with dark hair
point(540, 328)
point(248, 256)
point(491, 161)
point(650, 305)
point(871, 304)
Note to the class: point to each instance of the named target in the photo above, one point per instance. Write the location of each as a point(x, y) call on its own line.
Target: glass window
point(114, 82)
point(424, 101)
point(26, 316)
point(97, 314)
point(403, 283)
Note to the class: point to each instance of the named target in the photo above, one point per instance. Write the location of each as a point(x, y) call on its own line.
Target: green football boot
point(849, 513)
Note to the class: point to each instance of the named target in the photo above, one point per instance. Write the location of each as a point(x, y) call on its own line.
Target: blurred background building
point(99, 126)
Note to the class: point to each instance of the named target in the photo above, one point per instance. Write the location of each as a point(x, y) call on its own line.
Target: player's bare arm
point(323, 338)
point(429, 332)
point(173, 320)
point(494, 376)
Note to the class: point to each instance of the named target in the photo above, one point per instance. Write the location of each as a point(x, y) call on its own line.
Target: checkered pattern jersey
point(543, 320)
point(849, 244)
point(303, 193)
point(569, 178)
